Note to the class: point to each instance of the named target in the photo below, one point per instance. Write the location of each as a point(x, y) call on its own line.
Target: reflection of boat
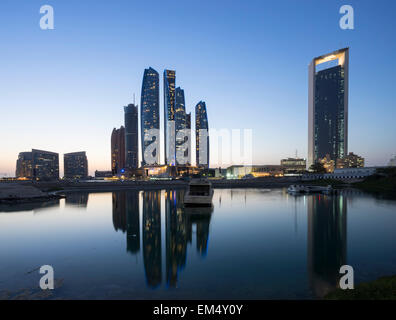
point(199, 211)
point(309, 189)
point(199, 194)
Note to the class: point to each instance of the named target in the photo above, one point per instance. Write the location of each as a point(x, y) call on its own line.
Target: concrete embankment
point(108, 186)
point(19, 193)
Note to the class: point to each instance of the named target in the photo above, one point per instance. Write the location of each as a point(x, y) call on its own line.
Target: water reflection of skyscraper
point(179, 230)
point(176, 235)
point(126, 217)
point(152, 237)
point(132, 220)
point(327, 237)
point(79, 199)
point(119, 211)
point(178, 227)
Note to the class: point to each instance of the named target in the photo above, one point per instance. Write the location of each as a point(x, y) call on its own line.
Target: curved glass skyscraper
point(149, 125)
point(180, 125)
point(202, 135)
point(169, 117)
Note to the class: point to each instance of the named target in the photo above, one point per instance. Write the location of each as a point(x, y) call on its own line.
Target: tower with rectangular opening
point(328, 106)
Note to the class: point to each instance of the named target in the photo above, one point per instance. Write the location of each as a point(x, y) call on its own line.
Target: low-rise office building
point(293, 166)
point(256, 171)
point(350, 161)
point(103, 174)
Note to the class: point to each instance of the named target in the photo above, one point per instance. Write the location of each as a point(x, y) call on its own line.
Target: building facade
point(328, 106)
point(180, 126)
point(169, 116)
point(187, 151)
point(254, 171)
point(131, 137)
point(118, 150)
point(45, 165)
point(293, 165)
point(149, 119)
point(103, 174)
point(202, 135)
point(75, 165)
point(328, 163)
point(350, 161)
point(24, 165)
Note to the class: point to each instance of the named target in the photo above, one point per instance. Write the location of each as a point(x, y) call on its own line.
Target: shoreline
point(25, 192)
point(21, 192)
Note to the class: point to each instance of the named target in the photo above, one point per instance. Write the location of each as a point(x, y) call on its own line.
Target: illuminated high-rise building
point(328, 106)
point(202, 135)
point(187, 151)
point(131, 137)
point(169, 116)
point(45, 165)
point(24, 165)
point(149, 119)
point(118, 150)
point(180, 125)
point(38, 165)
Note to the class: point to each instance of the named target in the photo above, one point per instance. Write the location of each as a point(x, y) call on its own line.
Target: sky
point(63, 90)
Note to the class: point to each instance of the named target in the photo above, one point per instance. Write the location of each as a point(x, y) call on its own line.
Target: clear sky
point(63, 90)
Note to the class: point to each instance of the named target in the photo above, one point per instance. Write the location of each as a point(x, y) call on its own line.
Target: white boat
point(199, 194)
point(296, 189)
point(309, 189)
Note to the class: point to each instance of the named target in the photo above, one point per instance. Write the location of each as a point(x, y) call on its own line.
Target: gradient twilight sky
point(63, 90)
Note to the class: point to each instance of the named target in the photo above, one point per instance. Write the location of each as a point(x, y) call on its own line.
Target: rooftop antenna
point(134, 98)
point(296, 153)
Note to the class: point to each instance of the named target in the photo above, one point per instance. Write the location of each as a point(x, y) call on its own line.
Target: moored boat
point(309, 189)
point(199, 194)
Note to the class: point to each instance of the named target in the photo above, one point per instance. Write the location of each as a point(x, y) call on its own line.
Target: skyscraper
point(187, 152)
point(117, 150)
point(45, 165)
point(75, 165)
point(180, 125)
point(328, 106)
point(169, 116)
point(24, 166)
point(149, 117)
point(38, 165)
point(131, 137)
point(202, 135)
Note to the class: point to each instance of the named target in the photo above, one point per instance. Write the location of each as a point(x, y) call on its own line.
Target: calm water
point(256, 244)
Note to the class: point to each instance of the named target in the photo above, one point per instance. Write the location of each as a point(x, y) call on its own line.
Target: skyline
point(59, 97)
